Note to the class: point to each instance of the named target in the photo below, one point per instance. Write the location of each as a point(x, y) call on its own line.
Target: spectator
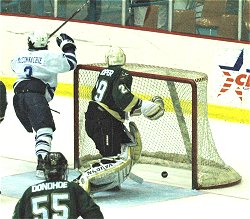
point(25, 6)
point(94, 10)
point(38, 7)
point(140, 12)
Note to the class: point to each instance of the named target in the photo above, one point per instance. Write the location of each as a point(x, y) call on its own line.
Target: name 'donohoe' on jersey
point(49, 186)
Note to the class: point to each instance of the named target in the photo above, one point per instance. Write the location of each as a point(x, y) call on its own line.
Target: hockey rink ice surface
point(156, 197)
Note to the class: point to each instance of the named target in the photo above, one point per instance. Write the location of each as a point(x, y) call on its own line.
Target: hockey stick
point(55, 111)
point(73, 15)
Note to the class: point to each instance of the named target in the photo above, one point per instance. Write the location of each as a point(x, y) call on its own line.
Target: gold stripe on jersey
point(132, 104)
point(112, 112)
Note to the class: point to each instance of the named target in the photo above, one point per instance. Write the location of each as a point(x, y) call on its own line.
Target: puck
point(164, 174)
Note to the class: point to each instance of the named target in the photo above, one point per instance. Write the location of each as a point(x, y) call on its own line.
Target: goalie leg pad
point(135, 151)
point(105, 174)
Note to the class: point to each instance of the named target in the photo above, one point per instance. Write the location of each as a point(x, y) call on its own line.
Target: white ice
point(232, 140)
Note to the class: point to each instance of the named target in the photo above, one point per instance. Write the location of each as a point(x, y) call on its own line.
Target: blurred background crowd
point(229, 19)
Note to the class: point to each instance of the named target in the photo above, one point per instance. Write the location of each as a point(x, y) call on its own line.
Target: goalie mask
point(56, 166)
point(38, 40)
point(115, 56)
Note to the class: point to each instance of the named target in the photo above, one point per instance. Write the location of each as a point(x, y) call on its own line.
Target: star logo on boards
point(236, 76)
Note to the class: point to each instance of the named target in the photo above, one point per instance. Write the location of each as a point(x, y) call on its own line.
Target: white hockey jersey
point(42, 64)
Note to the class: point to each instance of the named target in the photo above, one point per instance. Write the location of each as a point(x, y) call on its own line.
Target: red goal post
point(182, 138)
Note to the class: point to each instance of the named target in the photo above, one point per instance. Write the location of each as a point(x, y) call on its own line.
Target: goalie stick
point(73, 15)
point(135, 178)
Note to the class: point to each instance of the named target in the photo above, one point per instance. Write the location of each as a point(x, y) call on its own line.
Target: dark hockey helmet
point(56, 166)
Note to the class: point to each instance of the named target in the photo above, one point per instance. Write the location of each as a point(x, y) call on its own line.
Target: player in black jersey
point(111, 100)
point(3, 101)
point(56, 197)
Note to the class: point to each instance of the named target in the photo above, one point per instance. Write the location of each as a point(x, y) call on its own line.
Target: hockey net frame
point(206, 174)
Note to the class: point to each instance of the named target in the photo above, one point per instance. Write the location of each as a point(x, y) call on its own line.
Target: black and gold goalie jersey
point(56, 199)
point(113, 91)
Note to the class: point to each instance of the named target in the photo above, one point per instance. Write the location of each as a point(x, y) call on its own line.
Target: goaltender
point(112, 102)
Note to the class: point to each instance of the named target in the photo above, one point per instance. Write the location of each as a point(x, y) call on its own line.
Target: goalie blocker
point(109, 173)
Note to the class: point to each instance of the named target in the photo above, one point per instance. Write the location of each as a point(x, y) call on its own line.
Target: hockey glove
point(65, 42)
point(152, 109)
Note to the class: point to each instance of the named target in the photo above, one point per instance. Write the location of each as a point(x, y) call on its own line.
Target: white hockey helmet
point(115, 56)
point(38, 40)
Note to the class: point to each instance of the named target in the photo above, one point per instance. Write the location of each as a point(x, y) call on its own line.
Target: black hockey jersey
point(3, 101)
point(113, 91)
point(51, 199)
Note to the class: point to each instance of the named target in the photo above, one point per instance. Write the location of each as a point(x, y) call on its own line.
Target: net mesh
point(167, 141)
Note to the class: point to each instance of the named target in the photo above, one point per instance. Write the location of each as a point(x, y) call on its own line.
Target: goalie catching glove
point(65, 42)
point(152, 110)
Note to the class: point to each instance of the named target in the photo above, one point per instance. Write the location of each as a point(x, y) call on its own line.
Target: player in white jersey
point(37, 69)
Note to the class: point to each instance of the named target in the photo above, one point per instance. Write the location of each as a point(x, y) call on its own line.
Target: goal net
point(182, 138)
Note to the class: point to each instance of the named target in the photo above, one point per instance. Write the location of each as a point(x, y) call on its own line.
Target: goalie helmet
point(38, 40)
point(115, 56)
point(55, 166)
